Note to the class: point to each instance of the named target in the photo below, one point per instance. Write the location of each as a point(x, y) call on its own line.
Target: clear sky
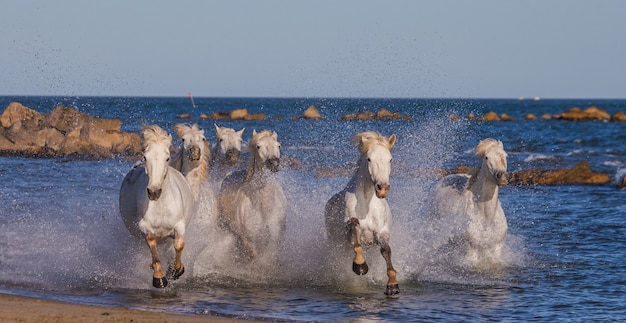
point(458, 49)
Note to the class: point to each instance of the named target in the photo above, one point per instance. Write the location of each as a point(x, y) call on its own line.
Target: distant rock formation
point(382, 114)
point(579, 174)
point(578, 114)
point(312, 113)
point(573, 114)
point(65, 131)
point(237, 114)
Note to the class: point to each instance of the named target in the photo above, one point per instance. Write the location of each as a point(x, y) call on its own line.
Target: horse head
point(266, 149)
point(195, 144)
point(493, 159)
point(228, 147)
point(376, 158)
point(156, 154)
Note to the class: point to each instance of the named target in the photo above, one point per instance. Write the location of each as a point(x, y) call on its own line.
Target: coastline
point(15, 308)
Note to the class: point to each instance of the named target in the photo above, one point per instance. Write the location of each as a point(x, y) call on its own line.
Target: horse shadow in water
point(156, 202)
point(470, 203)
point(252, 204)
point(359, 215)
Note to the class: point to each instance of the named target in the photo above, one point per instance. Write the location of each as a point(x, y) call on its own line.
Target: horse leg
point(158, 277)
point(392, 283)
point(178, 269)
point(359, 266)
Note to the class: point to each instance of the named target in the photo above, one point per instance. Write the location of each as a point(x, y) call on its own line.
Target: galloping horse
point(225, 153)
point(360, 212)
point(193, 159)
point(475, 198)
point(251, 203)
point(155, 201)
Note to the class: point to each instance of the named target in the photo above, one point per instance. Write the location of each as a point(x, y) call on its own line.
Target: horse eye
point(486, 157)
point(168, 160)
point(258, 147)
point(221, 139)
point(369, 159)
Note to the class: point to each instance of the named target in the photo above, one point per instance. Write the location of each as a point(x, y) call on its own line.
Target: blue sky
point(458, 49)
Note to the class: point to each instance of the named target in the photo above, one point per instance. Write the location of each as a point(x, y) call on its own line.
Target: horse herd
point(160, 194)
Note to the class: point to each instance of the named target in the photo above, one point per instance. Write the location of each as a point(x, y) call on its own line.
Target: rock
point(184, 116)
point(594, 113)
point(15, 112)
point(386, 114)
point(546, 116)
point(239, 114)
point(63, 132)
point(591, 113)
point(454, 117)
point(219, 115)
point(619, 116)
point(506, 117)
point(382, 114)
point(64, 119)
point(312, 113)
point(255, 116)
point(530, 116)
point(579, 174)
point(490, 116)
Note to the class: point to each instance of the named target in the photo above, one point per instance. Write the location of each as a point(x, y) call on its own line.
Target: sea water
point(61, 236)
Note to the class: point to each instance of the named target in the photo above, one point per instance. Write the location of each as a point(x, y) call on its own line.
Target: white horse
point(359, 214)
point(251, 203)
point(193, 159)
point(225, 154)
point(155, 201)
point(474, 198)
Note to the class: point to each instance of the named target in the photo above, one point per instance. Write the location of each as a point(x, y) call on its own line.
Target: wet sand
point(26, 309)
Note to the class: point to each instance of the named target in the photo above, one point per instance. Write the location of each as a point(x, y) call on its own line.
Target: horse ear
point(274, 135)
point(253, 132)
point(240, 132)
point(392, 141)
point(217, 129)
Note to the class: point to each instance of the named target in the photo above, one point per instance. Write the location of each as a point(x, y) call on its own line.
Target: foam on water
point(84, 246)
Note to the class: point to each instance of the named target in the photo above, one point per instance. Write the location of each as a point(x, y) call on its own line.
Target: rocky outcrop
point(65, 131)
point(574, 114)
point(237, 114)
point(312, 113)
point(382, 114)
point(578, 114)
point(577, 175)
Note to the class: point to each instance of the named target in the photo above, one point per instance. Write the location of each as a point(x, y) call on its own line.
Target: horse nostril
point(154, 195)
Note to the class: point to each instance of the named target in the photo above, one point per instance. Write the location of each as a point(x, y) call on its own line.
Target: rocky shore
point(63, 132)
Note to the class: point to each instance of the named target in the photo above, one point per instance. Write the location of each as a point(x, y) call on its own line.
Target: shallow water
point(61, 236)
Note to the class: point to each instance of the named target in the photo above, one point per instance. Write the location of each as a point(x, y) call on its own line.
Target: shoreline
point(16, 308)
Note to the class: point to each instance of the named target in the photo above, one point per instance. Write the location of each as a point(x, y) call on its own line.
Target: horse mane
point(485, 145)
point(182, 129)
point(480, 151)
point(258, 136)
point(365, 140)
point(153, 134)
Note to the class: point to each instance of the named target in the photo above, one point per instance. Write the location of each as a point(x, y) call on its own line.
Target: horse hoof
point(392, 289)
point(159, 282)
point(173, 274)
point(360, 269)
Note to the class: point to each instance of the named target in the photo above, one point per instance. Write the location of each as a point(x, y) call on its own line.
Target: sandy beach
point(26, 309)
